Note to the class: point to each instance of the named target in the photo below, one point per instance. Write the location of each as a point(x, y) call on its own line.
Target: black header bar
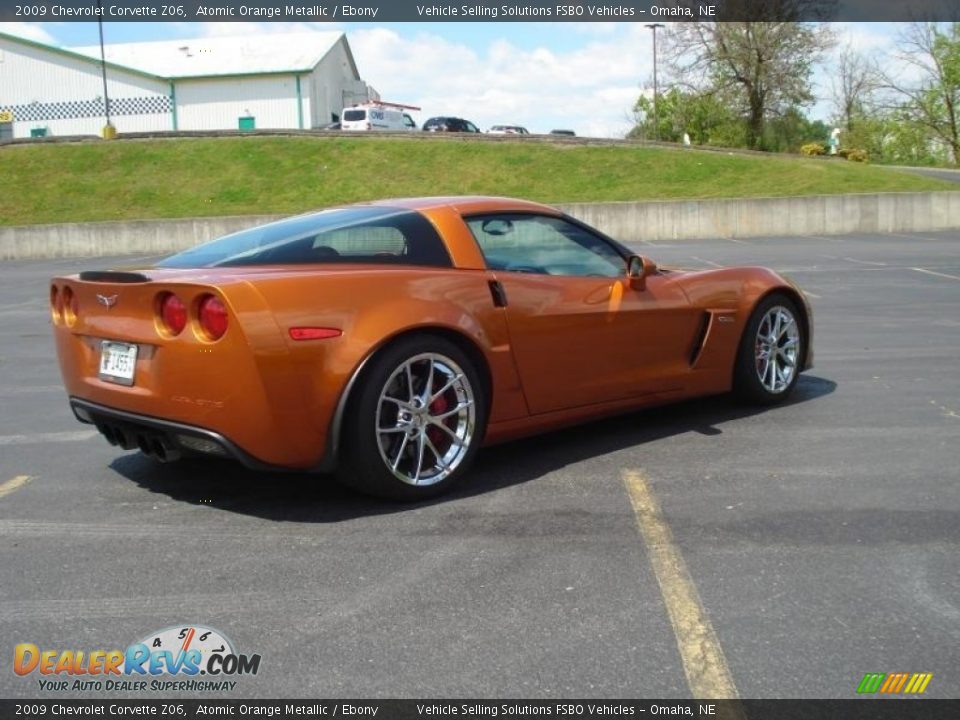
point(379, 11)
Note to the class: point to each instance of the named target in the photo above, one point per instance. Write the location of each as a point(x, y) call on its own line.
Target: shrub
point(857, 155)
point(812, 149)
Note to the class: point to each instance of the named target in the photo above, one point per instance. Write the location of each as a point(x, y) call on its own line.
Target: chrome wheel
point(777, 349)
point(426, 419)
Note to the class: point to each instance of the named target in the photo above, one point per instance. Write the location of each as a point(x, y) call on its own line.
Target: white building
point(272, 81)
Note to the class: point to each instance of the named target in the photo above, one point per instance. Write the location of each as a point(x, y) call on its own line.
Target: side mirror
point(638, 270)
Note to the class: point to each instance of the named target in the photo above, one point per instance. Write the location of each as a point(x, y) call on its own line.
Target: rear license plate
point(118, 361)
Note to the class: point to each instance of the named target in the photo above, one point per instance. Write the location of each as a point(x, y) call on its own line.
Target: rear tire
point(771, 352)
point(414, 422)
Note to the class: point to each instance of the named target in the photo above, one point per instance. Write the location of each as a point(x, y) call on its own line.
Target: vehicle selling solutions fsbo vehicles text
point(508, 11)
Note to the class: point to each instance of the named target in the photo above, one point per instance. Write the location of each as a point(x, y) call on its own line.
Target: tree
point(705, 117)
point(854, 83)
point(764, 66)
point(905, 142)
point(791, 130)
point(931, 99)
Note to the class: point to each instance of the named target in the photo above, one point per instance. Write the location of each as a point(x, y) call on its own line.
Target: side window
point(471, 127)
point(405, 238)
point(545, 245)
point(362, 241)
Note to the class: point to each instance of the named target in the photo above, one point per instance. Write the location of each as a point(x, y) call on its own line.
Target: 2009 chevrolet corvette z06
point(388, 341)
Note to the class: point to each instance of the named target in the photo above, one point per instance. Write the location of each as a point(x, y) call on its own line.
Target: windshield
point(364, 234)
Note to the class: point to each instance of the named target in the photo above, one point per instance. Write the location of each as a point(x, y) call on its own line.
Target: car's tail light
point(213, 317)
point(173, 313)
point(56, 305)
point(70, 307)
point(314, 333)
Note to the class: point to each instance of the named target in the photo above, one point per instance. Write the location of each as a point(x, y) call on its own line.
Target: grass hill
point(184, 177)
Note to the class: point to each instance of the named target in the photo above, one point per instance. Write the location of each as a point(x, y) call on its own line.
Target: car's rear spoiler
point(113, 276)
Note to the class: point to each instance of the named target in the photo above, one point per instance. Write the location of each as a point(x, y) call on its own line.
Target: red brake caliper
point(435, 434)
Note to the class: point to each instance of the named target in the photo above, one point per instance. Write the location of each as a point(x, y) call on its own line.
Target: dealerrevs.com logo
point(181, 658)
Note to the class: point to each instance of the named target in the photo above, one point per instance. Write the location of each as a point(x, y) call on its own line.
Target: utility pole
point(656, 116)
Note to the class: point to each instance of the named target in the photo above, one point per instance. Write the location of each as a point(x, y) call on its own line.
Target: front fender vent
point(700, 337)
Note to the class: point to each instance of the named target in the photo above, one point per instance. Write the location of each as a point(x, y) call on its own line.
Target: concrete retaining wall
point(773, 217)
point(135, 237)
point(626, 221)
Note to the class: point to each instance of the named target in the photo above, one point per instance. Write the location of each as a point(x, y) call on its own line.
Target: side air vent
point(700, 337)
point(498, 294)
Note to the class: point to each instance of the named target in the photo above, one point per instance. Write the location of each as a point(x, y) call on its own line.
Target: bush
point(813, 148)
point(843, 152)
point(857, 155)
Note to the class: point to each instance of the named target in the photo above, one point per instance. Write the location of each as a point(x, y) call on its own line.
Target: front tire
point(415, 422)
point(771, 352)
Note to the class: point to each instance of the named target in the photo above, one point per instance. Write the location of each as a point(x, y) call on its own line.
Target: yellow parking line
point(703, 661)
point(15, 484)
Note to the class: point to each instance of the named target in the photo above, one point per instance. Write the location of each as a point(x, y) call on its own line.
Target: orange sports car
point(388, 341)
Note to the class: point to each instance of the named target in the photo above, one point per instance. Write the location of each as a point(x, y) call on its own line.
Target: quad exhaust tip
point(151, 445)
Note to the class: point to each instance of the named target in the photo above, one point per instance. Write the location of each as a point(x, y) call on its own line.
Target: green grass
point(123, 180)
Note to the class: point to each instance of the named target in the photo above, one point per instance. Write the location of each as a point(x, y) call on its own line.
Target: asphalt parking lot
point(820, 540)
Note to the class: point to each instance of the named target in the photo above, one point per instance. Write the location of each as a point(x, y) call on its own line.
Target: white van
point(377, 116)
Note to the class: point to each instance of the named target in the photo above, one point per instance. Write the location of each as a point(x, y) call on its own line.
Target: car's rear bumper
point(163, 439)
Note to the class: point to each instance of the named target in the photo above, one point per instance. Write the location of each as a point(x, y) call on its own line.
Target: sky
point(581, 76)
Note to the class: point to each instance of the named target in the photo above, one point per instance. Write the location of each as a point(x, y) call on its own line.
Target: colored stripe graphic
point(894, 683)
point(871, 682)
point(923, 679)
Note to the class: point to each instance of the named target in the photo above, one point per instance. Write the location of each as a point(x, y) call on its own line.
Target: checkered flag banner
point(39, 111)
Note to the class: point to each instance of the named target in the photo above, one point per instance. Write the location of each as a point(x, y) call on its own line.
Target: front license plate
point(118, 361)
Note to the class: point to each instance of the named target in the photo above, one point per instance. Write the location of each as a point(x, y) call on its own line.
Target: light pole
point(108, 130)
point(656, 117)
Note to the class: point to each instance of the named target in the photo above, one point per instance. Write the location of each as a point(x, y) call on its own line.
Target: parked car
point(507, 130)
point(449, 124)
point(563, 132)
point(390, 340)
